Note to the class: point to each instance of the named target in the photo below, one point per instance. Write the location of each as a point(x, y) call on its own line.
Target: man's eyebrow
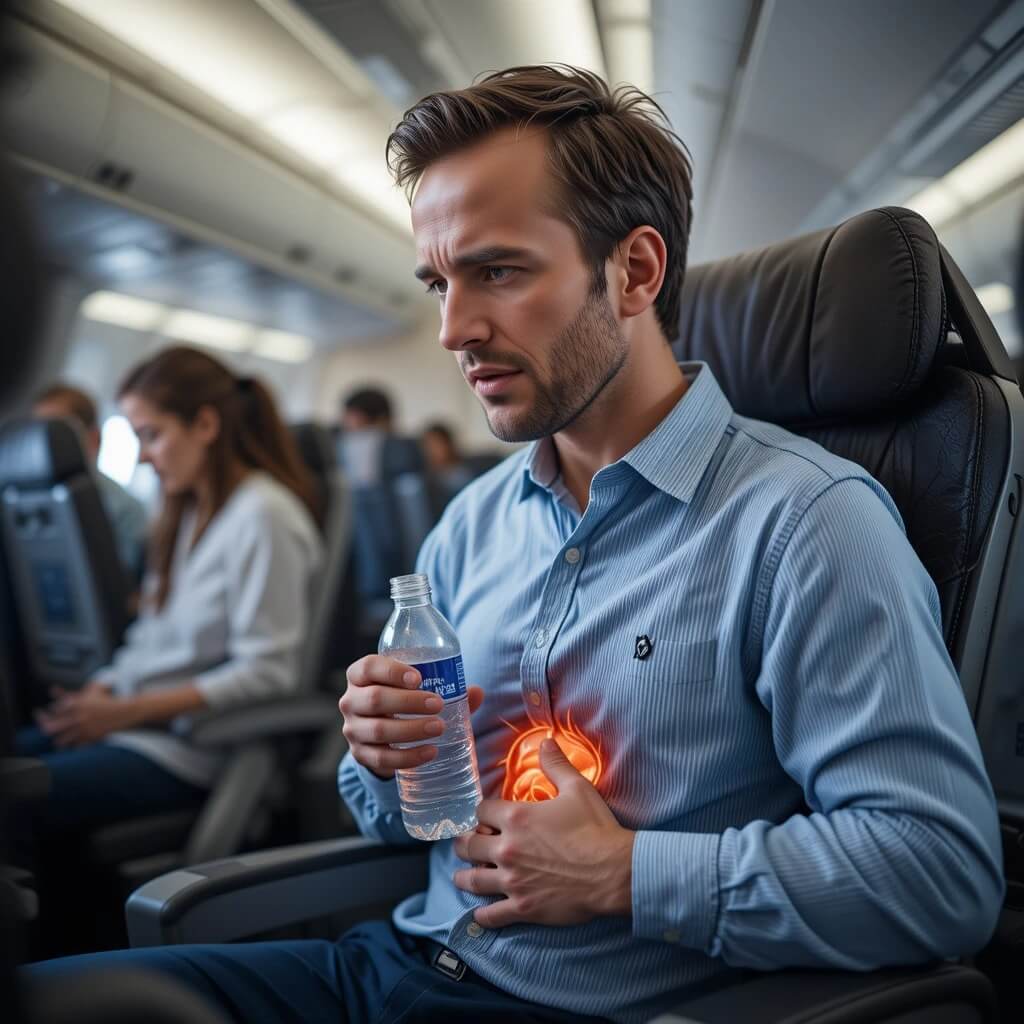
point(478, 258)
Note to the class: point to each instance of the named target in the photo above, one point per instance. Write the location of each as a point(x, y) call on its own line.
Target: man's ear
point(639, 269)
point(206, 425)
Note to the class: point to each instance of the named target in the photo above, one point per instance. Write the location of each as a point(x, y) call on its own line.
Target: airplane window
point(119, 450)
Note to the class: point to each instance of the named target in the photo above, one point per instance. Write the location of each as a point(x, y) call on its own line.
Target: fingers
point(61, 729)
point(480, 881)
point(383, 671)
point(384, 761)
point(475, 696)
point(375, 701)
point(500, 914)
point(478, 848)
point(386, 731)
point(556, 766)
point(498, 815)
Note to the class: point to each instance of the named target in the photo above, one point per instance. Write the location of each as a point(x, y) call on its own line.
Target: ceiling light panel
point(123, 311)
point(985, 172)
point(192, 327)
point(992, 167)
point(282, 346)
point(200, 328)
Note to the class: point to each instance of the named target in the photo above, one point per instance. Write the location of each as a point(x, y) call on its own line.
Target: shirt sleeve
point(897, 859)
point(270, 568)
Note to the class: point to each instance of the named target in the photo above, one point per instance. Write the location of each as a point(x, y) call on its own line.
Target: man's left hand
point(77, 718)
point(556, 862)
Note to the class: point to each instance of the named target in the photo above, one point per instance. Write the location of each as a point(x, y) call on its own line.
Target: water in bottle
point(439, 798)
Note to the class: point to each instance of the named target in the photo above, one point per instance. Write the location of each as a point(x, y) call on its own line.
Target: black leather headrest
point(845, 322)
point(40, 453)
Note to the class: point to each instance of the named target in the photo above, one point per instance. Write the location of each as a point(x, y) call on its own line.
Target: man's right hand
point(378, 689)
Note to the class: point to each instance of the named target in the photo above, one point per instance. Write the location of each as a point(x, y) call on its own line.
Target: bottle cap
point(414, 585)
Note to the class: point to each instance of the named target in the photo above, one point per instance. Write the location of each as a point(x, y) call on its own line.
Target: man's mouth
point(491, 381)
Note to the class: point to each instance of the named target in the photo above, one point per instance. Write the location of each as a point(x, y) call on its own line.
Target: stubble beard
point(586, 356)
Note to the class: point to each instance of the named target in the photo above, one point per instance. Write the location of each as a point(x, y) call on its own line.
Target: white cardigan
point(234, 621)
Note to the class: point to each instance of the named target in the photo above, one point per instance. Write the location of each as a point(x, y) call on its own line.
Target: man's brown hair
point(79, 405)
point(616, 159)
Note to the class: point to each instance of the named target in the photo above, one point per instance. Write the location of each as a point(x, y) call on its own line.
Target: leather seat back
point(69, 588)
point(867, 339)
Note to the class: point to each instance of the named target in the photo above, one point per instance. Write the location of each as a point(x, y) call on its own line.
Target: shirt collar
point(673, 456)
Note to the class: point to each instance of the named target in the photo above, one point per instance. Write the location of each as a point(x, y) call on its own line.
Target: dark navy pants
point(89, 786)
point(373, 974)
point(99, 783)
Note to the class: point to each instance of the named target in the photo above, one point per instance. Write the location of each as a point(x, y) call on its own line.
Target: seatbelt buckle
point(449, 964)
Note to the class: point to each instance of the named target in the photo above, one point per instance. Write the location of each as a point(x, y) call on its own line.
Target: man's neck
point(642, 394)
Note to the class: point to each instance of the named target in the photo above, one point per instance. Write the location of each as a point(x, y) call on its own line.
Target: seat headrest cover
point(40, 453)
point(843, 322)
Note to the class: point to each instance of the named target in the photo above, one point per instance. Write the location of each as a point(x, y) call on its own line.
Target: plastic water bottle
point(438, 798)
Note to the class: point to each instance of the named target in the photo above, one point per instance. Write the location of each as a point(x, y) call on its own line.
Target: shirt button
point(542, 638)
point(671, 935)
point(572, 556)
point(473, 930)
point(535, 699)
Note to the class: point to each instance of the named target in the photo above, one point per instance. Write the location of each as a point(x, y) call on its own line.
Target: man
point(127, 514)
point(370, 450)
point(770, 761)
point(365, 427)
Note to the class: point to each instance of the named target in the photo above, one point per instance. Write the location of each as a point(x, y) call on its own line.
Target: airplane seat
point(273, 746)
point(391, 520)
point(844, 335)
point(70, 593)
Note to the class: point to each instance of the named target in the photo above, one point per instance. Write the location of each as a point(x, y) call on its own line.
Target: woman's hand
point(85, 716)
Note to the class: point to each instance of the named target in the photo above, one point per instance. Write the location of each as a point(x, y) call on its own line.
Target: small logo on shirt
point(643, 647)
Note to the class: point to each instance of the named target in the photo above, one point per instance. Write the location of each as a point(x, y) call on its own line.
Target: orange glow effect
point(525, 780)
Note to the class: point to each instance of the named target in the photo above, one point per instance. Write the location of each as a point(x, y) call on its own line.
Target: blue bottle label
point(446, 678)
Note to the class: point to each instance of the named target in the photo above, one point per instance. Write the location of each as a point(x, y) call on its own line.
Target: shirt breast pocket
point(673, 663)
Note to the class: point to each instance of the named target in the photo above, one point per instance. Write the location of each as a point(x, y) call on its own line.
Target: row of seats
point(67, 600)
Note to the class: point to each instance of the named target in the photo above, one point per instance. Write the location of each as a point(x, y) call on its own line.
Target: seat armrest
point(238, 897)
point(262, 720)
point(845, 997)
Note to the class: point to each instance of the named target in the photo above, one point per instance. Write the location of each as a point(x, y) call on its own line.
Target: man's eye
point(437, 287)
point(498, 274)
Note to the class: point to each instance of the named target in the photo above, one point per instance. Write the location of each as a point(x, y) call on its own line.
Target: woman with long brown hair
point(225, 602)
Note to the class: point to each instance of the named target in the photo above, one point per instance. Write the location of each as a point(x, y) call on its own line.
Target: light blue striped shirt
point(794, 752)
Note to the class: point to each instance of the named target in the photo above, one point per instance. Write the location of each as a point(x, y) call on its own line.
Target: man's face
point(535, 339)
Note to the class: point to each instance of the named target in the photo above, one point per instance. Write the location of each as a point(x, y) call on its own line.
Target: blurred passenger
point(366, 425)
point(444, 461)
point(126, 513)
point(225, 605)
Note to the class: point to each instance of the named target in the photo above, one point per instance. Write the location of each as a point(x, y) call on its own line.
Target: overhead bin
point(78, 119)
point(56, 111)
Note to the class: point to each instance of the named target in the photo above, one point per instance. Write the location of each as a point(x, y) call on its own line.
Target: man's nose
point(462, 322)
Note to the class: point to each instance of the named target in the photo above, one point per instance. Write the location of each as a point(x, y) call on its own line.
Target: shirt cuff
point(675, 887)
point(384, 791)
